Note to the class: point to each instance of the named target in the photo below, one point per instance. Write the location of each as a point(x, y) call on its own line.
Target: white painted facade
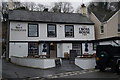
point(18, 45)
point(23, 35)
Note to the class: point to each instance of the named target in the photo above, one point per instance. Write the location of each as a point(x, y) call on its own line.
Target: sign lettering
point(18, 28)
point(84, 31)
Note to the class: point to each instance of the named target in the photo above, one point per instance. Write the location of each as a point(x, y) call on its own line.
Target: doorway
point(53, 50)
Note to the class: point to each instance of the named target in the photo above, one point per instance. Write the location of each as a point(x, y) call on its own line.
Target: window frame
point(48, 30)
point(101, 29)
point(31, 49)
point(72, 31)
point(37, 29)
point(95, 44)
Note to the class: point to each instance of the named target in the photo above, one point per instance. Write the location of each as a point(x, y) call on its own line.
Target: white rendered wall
point(34, 62)
point(23, 35)
point(66, 47)
point(59, 50)
point(85, 63)
point(62, 48)
point(18, 49)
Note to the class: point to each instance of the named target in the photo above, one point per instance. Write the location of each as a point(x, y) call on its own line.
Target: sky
point(75, 3)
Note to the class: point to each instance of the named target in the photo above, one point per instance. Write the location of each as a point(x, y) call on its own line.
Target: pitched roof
point(103, 15)
point(23, 15)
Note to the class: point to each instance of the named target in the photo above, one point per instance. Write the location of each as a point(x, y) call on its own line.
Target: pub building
point(47, 36)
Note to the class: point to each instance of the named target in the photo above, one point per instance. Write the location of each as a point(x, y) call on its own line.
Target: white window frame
point(102, 29)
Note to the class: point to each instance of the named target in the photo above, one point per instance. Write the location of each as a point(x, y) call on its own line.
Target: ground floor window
point(95, 44)
point(32, 49)
point(77, 47)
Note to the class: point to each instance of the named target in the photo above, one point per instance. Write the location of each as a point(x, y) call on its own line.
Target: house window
point(77, 47)
point(51, 30)
point(101, 29)
point(32, 30)
point(32, 49)
point(95, 44)
point(69, 31)
point(118, 27)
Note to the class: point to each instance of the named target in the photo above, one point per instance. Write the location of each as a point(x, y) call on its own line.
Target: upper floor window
point(101, 29)
point(51, 30)
point(69, 31)
point(32, 30)
point(118, 27)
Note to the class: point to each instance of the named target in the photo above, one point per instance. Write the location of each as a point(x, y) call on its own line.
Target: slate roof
point(23, 15)
point(103, 15)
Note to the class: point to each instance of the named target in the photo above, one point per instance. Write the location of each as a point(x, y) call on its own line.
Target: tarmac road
point(10, 70)
point(65, 72)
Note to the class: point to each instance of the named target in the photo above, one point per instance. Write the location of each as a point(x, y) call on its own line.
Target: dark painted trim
point(71, 41)
point(67, 41)
point(37, 29)
point(55, 30)
point(65, 31)
point(53, 22)
point(56, 50)
point(81, 49)
point(8, 38)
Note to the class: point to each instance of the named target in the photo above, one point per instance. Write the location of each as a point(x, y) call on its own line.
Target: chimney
point(10, 4)
point(83, 9)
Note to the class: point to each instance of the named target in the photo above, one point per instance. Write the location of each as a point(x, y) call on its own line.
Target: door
point(53, 50)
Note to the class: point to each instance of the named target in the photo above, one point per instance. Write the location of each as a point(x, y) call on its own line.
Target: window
point(118, 27)
point(32, 30)
point(69, 31)
point(77, 47)
point(51, 30)
point(101, 29)
point(95, 44)
point(32, 49)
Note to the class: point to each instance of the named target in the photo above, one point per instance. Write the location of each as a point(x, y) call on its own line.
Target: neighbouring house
point(107, 27)
point(29, 32)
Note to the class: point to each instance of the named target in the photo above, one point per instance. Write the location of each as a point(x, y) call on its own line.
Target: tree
point(40, 7)
point(16, 5)
point(64, 7)
point(31, 6)
point(107, 6)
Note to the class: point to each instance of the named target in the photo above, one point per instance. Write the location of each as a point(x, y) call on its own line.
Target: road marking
point(72, 73)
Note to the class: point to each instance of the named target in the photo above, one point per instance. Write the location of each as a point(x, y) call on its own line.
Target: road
point(10, 70)
point(67, 72)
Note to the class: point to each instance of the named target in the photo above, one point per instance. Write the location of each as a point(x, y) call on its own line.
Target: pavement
point(65, 72)
point(10, 70)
